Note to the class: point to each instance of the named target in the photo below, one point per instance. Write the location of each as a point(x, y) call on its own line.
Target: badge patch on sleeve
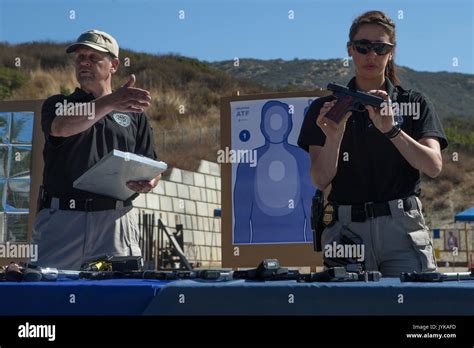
point(122, 119)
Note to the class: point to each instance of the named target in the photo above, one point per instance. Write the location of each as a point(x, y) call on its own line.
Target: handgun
point(334, 274)
point(210, 274)
point(317, 207)
point(268, 269)
point(435, 276)
point(349, 100)
point(369, 276)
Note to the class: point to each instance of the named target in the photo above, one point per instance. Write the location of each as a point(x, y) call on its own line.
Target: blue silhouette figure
point(272, 200)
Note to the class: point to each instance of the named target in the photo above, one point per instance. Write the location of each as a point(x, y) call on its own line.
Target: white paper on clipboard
point(109, 176)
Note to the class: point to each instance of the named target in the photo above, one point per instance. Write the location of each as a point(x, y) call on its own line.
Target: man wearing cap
point(73, 226)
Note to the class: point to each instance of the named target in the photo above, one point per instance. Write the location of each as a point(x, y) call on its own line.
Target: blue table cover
point(78, 297)
point(386, 297)
point(236, 297)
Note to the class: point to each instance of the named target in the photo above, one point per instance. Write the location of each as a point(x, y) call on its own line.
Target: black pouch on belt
point(41, 199)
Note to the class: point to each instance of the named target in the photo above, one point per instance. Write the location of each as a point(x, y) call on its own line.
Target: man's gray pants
point(393, 244)
point(66, 239)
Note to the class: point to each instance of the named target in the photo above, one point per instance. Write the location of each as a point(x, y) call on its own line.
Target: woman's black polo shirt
point(66, 159)
point(375, 170)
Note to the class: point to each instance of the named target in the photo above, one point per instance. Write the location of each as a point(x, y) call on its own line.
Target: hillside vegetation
point(186, 104)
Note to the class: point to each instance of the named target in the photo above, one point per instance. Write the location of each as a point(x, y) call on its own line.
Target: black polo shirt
point(375, 170)
point(67, 158)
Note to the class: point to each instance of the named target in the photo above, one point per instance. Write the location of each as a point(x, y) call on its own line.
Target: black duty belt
point(89, 205)
point(362, 212)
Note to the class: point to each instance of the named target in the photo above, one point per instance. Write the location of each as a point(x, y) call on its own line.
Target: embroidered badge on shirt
point(122, 119)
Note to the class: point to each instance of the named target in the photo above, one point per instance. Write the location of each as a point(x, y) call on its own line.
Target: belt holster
point(317, 208)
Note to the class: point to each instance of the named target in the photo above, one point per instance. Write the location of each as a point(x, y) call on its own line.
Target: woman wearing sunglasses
point(371, 161)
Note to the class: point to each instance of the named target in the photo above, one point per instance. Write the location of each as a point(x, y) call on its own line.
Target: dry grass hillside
point(183, 138)
point(451, 192)
point(186, 93)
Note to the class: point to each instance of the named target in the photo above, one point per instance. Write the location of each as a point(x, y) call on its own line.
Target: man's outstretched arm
point(126, 99)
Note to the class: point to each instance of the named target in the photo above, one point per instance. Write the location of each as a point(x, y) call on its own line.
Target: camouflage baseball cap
point(97, 40)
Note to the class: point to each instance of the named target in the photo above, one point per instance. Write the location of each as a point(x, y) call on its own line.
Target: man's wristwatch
point(392, 133)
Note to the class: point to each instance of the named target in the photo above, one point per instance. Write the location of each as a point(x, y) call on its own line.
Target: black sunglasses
point(364, 46)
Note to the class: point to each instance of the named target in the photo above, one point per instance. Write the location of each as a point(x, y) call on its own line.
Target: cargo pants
point(66, 239)
point(399, 242)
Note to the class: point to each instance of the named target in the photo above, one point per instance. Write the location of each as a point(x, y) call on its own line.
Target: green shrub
point(10, 79)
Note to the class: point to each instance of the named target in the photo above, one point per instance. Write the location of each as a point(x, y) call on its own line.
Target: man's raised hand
point(130, 99)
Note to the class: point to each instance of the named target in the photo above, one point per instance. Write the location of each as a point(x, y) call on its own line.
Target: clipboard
point(109, 176)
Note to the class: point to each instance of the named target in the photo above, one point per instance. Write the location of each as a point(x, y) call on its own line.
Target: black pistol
point(436, 276)
point(317, 207)
point(268, 269)
point(350, 100)
point(333, 274)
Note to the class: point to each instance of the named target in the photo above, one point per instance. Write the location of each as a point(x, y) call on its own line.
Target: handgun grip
point(339, 110)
